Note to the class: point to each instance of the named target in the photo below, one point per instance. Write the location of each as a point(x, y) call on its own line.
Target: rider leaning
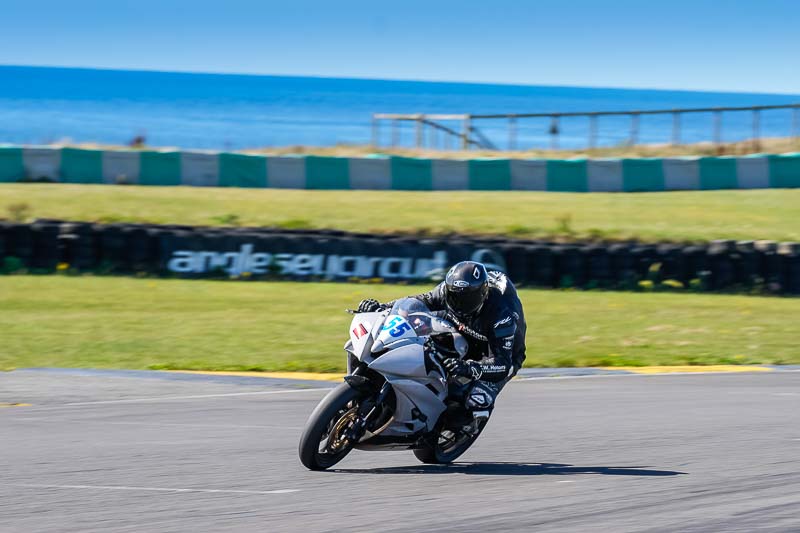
point(489, 313)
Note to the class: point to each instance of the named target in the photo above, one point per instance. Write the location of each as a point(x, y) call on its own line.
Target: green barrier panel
point(12, 167)
point(81, 166)
point(327, 172)
point(411, 174)
point(160, 168)
point(718, 173)
point(240, 170)
point(784, 170)
point(489, 175)
point(642, 175)
point(567, 175)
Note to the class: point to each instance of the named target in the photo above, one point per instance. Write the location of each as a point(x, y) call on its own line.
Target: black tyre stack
point(722, 265)
point(541, 270)
point(18, 243)
point(790, 253)
point(45, 253)
point(78, 245)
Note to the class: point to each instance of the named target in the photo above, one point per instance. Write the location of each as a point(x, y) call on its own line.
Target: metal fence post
point(375, 132)
point(634, 137)
point(465, 127)
point(756, 129)
point(676, 128)
point(395, 133)
point(471, 137)
point(554, 131)
point(592, 131)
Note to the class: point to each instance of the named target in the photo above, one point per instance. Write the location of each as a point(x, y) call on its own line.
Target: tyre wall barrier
point(267, 253)
point(211, 169)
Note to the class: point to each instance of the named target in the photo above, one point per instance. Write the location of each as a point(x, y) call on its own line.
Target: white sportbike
point(397, 394)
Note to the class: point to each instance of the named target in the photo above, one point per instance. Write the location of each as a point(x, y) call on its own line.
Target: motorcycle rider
point(485, 307)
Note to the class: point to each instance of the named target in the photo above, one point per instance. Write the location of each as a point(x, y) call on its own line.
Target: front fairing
point(364, 329)
point(392, 344)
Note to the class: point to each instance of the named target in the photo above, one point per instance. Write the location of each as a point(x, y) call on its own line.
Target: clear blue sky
point(733, 45)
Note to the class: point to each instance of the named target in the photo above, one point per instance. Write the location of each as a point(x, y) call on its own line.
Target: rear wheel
point(450, 443)
point(323, 443)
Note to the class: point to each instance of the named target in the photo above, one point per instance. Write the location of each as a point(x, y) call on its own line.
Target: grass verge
point(272, 326)
point(677, 216)
point(748, 146)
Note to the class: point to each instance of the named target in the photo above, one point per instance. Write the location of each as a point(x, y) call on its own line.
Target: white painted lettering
point(259, 263)
point(182, 261)
point(333, 266)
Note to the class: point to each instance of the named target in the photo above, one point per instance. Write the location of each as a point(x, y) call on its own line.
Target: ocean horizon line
point(298, 77)
point(39, 105)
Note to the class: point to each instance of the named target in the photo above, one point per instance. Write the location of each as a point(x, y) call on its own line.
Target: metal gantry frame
point(469, 136)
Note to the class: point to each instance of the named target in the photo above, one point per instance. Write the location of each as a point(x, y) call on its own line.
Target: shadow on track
point(514, 469)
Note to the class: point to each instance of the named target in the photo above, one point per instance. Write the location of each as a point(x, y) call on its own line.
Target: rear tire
point(440, 453)
point(328, 416)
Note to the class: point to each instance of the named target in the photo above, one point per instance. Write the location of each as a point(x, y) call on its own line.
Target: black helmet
point(466, 287)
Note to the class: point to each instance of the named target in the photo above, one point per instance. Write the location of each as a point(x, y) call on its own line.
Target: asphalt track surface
point(613, 453)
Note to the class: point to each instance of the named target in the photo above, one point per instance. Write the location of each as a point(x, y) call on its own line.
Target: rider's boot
point(479, 403)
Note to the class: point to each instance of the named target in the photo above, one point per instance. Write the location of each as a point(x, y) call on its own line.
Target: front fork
point(366, 411)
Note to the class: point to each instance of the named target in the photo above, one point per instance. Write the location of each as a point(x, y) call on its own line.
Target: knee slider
point(480, 398)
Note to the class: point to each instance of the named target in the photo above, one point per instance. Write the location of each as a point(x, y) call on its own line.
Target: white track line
point(195, 397)
point(54, 407)
point(151, 489)
point(158, 424)
point(597, 376)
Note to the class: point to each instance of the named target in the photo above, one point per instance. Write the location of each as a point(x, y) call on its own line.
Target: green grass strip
point(687, 215)
point(106, 322)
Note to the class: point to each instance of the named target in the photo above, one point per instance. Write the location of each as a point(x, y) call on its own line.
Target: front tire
point(322, 444)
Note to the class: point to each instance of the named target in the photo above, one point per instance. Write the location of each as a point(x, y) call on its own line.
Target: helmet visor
point(465, 303)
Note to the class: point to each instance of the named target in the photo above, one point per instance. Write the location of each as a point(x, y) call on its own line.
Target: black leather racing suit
point(502, 321)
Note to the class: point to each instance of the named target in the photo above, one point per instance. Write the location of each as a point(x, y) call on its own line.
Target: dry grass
point(774, 146)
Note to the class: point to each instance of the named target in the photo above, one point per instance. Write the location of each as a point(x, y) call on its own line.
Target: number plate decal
point(396, 326)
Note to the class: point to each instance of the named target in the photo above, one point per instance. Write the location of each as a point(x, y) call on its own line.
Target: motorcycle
point(397, 394)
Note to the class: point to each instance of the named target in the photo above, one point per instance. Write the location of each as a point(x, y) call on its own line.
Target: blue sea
point(233, 112)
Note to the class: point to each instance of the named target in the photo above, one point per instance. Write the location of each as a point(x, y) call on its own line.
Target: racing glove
point(459, 367)
point(369, 306)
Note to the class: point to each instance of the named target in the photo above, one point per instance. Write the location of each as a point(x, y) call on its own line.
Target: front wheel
point(448, 444)
point(323, 443)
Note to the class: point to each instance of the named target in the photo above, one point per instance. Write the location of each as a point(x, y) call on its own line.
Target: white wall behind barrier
point(681, 174)
point(450, 175)
point(390, 172)
point(199, 169)
point(604, 175)
point(121, 167)
point(370, 173)
point(42, 163)
point(286, 172)
point(528, 175)
point(752, 172)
